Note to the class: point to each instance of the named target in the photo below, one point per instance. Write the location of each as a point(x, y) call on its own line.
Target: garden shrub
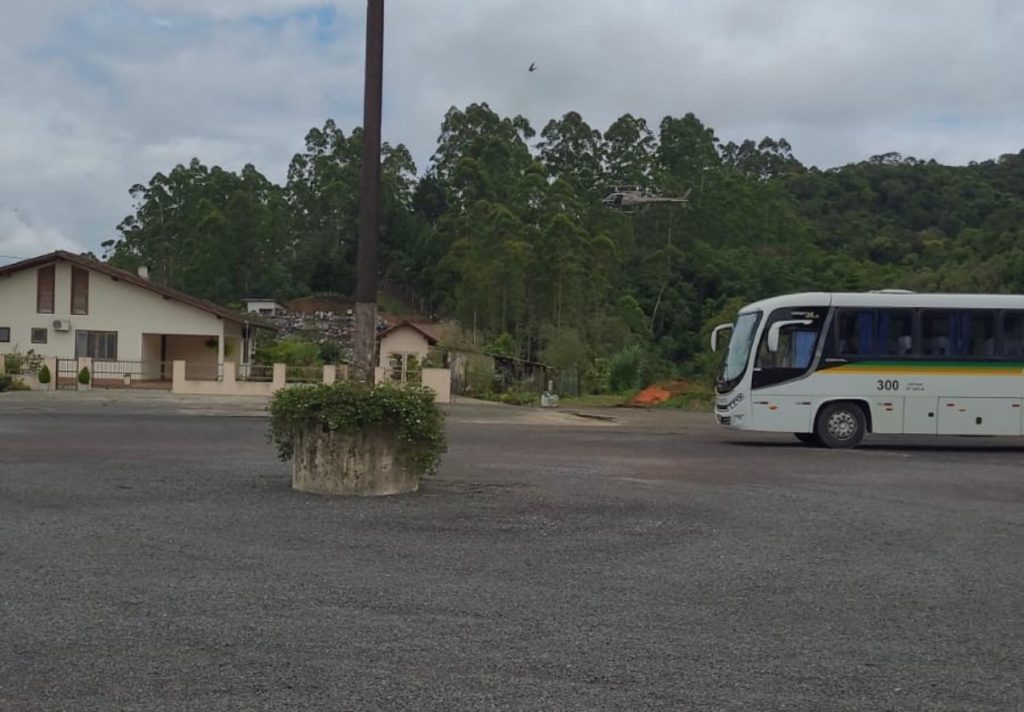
point(624, 370)
point(348, 406)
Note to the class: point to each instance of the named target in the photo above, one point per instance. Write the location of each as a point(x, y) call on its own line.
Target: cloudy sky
point(96, 95)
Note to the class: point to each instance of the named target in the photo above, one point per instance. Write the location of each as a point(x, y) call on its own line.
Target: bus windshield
point(739, 348)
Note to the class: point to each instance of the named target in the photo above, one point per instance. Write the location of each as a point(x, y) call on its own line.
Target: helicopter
point(629, 198)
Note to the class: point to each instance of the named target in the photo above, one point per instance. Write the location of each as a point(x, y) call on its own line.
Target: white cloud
point(97, 97)
point(21, 240)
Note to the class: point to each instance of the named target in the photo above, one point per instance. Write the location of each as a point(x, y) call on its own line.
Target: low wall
point(227, 385)
point(438, 380)
point(31, 379)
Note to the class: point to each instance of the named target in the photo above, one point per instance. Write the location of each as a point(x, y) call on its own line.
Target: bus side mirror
point(714, 335)
point(777, 327)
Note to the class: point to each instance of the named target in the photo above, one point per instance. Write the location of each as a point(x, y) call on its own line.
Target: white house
point(403, 348)
point(65, 306)
point(263, 307)
point(402, 351)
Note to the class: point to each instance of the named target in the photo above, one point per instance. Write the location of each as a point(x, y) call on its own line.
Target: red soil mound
point(661, 392)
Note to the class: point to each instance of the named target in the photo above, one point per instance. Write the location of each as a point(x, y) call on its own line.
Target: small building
point(403, 349)
point(65, 306)
point(263, 307)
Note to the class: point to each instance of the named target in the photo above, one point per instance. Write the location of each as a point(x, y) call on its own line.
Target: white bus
point(831, 368)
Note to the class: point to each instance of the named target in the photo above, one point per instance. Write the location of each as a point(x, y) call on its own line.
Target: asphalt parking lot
point(154, 561)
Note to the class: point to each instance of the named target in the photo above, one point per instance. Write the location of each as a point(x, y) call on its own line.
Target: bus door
point(785, 355)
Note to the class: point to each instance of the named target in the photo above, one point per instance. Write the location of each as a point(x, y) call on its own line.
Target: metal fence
point(304, 374)
point(255, 373)
point(131, 374)
point(66, 377)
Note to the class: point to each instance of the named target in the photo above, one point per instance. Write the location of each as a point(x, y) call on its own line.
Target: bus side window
point(1013, 334)
point(896, 331)
point(882, 332)
point(935, 333)
point(856, 333)
point(958, 333)
point(978, 333)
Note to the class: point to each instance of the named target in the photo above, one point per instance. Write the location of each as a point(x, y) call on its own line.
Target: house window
point(5, 334)
point(100, 345)
point(404, 368)
point(39, 336)
point(79, 290)
point(44, 289)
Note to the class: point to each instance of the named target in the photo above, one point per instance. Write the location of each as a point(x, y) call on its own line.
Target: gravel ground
point(162, 562)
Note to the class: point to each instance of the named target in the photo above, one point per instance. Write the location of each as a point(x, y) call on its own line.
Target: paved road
point(161, 562)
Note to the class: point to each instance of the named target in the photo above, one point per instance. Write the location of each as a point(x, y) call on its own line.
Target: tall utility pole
point(365, 337)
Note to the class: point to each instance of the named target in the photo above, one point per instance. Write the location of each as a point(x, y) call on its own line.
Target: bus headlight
point(733, 404)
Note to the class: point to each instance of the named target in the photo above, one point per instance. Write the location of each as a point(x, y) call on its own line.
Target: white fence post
point(177, 376)
point(280, 377)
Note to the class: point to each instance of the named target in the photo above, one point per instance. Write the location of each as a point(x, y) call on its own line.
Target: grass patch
point(510, 398)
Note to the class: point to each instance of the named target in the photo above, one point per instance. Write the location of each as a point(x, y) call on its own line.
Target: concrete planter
point(83, 387)
point(364, 463)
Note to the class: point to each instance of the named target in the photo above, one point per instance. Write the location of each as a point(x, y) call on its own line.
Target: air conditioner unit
point(61, 325)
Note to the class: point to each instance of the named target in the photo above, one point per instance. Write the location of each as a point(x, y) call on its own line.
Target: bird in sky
point(533, 66)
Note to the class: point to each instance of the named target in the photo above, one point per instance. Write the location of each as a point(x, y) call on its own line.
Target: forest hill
point(505, 230)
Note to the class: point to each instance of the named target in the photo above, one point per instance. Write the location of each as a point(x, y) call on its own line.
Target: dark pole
point(365, 337)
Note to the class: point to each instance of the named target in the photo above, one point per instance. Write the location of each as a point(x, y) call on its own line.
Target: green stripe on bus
point(924, 367)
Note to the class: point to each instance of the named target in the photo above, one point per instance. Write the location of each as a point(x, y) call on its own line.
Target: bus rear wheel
point(840, 425)
point(808, 439)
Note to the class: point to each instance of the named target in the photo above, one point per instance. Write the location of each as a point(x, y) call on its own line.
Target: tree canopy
point(505, 229)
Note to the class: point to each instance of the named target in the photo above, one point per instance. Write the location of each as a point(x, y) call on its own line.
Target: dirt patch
point(663, 392)
point(652, 395)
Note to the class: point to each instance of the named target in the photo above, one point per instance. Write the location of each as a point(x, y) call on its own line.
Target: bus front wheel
point(840, 425)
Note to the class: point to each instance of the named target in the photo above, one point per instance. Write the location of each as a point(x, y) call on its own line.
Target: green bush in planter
point(5, 382)
point(44, 374)
point(84, 377)
point(349, 407)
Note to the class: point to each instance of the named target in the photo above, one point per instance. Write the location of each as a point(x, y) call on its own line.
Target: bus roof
point(892, 299)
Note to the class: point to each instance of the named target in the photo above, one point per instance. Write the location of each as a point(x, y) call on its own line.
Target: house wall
point(234, 344)
point(113, 306)
point(150, 348)
point(403, 340)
